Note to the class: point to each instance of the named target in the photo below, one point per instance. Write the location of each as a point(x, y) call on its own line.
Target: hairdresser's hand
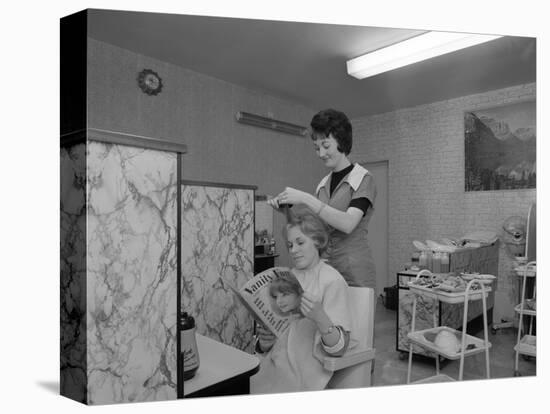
point(265, 338)
point(273, 202)
point(292, 196)
point(313, 309)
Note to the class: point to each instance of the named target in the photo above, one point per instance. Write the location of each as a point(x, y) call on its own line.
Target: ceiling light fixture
point(415, 49)
point(280, 126)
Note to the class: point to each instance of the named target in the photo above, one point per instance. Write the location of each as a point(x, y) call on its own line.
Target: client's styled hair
point(311, 225)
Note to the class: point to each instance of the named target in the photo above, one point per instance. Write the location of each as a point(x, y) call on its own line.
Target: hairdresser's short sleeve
point(366, 189)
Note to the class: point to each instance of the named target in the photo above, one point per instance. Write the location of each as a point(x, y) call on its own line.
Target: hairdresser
point(344, 199)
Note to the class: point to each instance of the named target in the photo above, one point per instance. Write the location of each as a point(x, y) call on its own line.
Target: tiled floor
point(389, 369)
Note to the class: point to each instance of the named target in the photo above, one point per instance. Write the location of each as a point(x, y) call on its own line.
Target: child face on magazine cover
point(286, 301)
point(302, 249)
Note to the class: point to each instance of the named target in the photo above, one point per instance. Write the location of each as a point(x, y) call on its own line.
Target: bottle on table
point(436, 262)
point(190, 354)
point(429, 264)
point(423, 260)
point(445, 265)
point(271, 249)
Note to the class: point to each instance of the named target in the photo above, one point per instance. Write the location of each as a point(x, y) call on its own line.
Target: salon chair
point(354, 368)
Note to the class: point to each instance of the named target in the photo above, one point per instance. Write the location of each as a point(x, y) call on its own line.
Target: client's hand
point(313, 309)
point(265, 338)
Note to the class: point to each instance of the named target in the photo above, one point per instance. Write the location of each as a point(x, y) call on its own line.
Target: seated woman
point(321, 324)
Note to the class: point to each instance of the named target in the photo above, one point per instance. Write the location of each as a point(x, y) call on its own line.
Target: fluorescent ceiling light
point(416, 49)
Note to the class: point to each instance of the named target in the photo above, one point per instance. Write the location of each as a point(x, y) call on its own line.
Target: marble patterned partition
point(73, 368)
point(131, 274)
point(217, 249)
point(425, 309)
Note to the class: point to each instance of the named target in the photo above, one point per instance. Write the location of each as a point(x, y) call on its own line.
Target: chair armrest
point(351, 357)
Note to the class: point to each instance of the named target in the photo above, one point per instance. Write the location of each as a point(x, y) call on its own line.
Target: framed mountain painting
point(500, 147)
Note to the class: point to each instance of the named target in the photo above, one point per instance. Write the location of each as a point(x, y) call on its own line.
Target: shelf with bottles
point(264, 243)
point(436, 261)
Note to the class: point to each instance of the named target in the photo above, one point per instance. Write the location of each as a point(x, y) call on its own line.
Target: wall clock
point(149, 82)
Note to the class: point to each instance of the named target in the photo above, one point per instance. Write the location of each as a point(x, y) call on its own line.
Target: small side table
point(223, 370)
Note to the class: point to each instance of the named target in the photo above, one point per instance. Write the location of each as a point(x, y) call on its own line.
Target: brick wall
point(425, 149)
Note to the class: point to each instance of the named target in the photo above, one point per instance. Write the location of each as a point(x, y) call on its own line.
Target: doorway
point(378, 226)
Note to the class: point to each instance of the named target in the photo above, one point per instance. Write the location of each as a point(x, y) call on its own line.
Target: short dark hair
point(331, 121)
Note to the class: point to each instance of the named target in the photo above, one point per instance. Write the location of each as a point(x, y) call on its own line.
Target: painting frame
point(500, 147)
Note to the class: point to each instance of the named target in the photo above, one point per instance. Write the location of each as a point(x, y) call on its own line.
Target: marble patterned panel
point(453, 314)
point(132, 274)
point(217, 248)
point(425, 309)
point(73, 370)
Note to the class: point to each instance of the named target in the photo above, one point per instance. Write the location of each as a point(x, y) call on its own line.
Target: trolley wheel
point(403, 355)
point(493, 331)
point(517, 374)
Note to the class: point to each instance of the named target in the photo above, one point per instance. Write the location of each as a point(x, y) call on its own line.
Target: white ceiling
point(306, 63)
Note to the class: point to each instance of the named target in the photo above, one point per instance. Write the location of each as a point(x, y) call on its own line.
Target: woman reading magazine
point(321, 318)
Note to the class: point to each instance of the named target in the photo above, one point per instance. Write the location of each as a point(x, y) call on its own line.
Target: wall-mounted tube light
point(415, 49)
point(280, 126)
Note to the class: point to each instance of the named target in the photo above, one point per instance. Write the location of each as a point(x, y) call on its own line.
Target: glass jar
point(423, 260)
point(429, 265)
point(436, 262)
point(271, 249)
point(445, 264)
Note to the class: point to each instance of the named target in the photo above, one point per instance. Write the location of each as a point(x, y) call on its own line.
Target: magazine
point(254, 295)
